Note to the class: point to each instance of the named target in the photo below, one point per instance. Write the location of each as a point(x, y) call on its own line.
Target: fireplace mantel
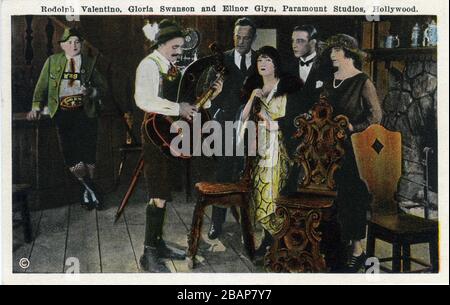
point(402, 54)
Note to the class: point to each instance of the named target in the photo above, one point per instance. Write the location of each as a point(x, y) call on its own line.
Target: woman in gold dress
point(267, 92)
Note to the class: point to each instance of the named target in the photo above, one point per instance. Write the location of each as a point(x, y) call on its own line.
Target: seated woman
point(352, 94)
point(267, 92)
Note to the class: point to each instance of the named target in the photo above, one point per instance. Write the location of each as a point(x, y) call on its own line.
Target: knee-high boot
point(150, 260)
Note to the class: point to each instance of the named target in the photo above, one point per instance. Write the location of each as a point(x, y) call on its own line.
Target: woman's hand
point(266, 119)
point(264, 116)
point(350, 127)
point(257, 93)
point(248, 107)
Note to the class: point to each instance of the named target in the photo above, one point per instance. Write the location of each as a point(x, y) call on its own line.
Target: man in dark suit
point(239, 63)
point(305, 65)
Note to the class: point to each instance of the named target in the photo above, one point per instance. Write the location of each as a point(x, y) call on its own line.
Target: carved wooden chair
point(296, 246)
point(229, 195)
point(378, 155)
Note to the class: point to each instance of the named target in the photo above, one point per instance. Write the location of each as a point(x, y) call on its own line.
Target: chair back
point(321, 148)
point(378, 153)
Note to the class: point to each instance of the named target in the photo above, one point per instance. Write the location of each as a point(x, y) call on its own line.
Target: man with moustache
point(156, 88)
point(239, 63)
point(71, 87)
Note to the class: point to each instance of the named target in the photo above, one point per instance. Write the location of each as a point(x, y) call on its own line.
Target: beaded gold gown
point(269, 172)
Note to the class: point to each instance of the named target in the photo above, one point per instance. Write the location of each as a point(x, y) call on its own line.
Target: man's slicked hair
point(310, 29)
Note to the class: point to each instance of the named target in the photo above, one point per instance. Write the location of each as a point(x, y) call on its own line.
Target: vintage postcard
point(224, 142)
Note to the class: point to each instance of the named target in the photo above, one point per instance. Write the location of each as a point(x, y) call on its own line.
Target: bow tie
point(306, 63)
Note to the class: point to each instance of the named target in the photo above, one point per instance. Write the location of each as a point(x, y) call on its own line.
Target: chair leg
point(26, 219)
point(188, 180)
point(406, 258)
point(247, 232)
point(235, 214)
point(370, 242)
point(434, 255)
point(396, 258)
point(194, 234)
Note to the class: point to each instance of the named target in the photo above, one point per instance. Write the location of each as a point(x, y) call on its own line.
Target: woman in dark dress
point(352, 94)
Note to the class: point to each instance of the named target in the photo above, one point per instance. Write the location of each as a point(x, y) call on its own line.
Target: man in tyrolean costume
point(71, 87)
point(157, 80)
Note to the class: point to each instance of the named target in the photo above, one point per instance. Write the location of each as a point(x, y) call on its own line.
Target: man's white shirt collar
point(161, 57)
point(310, 56)
point(248, 59)
point(76, 57)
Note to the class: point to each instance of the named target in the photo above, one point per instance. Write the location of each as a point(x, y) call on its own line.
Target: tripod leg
point(134, 180)
point(123, 158)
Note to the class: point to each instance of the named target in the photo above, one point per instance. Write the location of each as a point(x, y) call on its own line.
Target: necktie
point(243, 65)
point(306, 63)
point(172, 72)
point(72, 71)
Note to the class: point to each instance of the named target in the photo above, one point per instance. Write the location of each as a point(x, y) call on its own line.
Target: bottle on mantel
point(415, 35)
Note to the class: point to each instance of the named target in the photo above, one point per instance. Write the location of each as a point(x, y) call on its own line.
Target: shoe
point(98, 205)
point(95, 196)
point(165, 251)
point(86, 202)
point(265, 244)
point(150, 261)
point(355, 263)
point(217, 219)
point(215, 230)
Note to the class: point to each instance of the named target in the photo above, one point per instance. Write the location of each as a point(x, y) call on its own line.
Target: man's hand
point(217, 86)
point(86, 91)
point(33, 115)
point(187, 111)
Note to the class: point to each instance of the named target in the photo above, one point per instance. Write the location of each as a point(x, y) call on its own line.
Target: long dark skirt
point(353, 198)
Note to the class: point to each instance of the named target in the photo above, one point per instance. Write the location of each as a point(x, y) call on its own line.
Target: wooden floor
point(101, 247)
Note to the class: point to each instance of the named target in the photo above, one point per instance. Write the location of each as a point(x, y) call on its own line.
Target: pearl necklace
point(334, 83)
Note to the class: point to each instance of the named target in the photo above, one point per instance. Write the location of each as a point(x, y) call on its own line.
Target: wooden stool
point(228, 195)
point(20, 203)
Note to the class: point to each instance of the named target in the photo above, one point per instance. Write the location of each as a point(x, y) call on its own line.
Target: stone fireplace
point(410, 107)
